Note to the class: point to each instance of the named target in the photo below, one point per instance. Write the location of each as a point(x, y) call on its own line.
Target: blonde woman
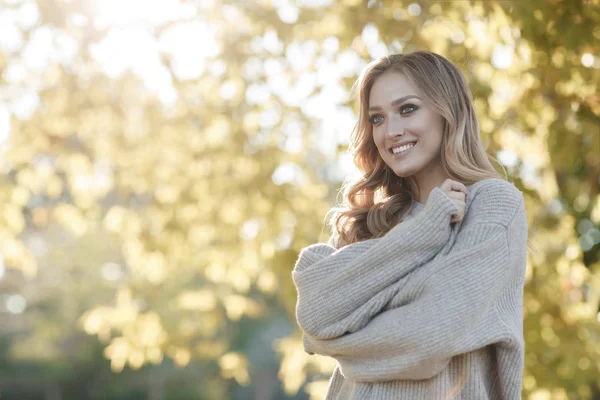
point(418, 294)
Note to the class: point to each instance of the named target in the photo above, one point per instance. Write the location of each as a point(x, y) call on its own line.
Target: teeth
point(402, 148)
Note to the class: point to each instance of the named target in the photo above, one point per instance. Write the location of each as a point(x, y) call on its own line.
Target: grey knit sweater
point(431, 310)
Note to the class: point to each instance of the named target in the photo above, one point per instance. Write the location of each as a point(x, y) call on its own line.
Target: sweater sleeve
point(461, 307)
point(358, 280)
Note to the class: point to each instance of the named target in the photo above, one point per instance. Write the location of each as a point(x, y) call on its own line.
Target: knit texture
point(431, 310)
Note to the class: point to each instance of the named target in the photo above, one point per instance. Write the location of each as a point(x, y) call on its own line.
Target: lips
point(400, 145)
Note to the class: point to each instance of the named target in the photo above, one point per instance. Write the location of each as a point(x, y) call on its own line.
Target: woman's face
point(399, 114)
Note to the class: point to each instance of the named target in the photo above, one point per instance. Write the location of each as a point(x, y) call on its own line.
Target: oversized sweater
point(431, 310)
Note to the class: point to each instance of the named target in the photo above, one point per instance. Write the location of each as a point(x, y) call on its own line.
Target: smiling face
point(400, 114)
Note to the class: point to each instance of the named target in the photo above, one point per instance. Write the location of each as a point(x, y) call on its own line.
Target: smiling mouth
point(404, 151)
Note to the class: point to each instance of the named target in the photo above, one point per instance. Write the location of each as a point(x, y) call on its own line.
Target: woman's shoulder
point(493, 200)
point(495, 189)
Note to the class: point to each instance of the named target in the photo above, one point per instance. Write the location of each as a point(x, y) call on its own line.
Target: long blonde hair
point(378, 200)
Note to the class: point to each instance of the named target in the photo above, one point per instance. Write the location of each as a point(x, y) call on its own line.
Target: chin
point(403, 172)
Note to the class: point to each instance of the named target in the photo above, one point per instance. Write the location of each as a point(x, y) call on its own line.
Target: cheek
point(430, 128)
point(378, 139)
point(424, 122)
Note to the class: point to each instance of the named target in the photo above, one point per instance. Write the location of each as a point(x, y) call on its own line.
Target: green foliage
point(165, 166)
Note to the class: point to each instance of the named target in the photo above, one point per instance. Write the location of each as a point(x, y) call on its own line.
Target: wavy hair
point(378, 199)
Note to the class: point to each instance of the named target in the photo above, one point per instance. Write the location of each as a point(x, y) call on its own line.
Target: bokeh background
point(162, 163)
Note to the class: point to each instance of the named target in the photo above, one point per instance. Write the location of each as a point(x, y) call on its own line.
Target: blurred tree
point(167, 161)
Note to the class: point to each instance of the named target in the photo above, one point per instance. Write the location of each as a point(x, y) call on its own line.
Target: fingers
point(456, 186)
point(457, 192)
point(461, 196)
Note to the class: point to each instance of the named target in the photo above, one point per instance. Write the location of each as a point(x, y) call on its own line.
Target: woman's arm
point(340, 291)
point(470, 300)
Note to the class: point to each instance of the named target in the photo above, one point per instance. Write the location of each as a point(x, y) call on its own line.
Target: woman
point(419, 293)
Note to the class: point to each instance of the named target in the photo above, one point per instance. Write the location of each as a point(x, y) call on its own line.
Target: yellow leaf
point(198, 300)
point(234, 365)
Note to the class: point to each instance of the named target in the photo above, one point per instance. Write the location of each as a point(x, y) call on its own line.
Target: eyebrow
point(396, 102)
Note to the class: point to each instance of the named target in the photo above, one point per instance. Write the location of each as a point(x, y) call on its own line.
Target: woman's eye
point(408, 108)
point(375, 119)
point(405, 109)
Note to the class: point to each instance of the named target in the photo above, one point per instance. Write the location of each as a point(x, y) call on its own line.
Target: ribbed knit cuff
point(439, 208)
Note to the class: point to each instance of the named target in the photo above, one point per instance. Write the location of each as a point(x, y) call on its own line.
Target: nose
point(392, 134)
point(394, 128)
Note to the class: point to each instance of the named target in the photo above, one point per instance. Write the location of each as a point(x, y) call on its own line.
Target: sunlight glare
point(288, 172)
point(313, 3)
point(135, 49)
point(300, 55)
point(182, 42)
point(11, 38)
point(25, 104)
point(370, 35)
point(502, 56)
point(15, 72)
point(2, 267)
point(257, 93)
point(128, 12)
point(130, 43)
point(250, 229)
point(271, 42)
point(508, 158)
point(28, 15)
point(288, 14)
point(46, 45)
point(529, 175)
point(112, 271)
point(15, 304)
point(457, 36)
point(4, 124)
point(227, 90)
point(414, 9)
point(349, 63)
point(38, 245)
point(125, 48)
point(331, 45)
point(587, 60)
point(293, 142)
point(346, 168)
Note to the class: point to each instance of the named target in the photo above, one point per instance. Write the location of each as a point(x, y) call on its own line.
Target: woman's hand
point(457, 192)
